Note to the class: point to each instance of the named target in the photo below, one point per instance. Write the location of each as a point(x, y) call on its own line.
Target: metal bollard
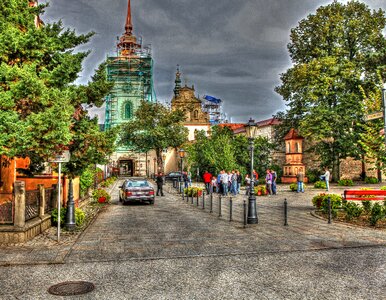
point(230, 209)
point(197, 198)
point(219, 206)
point(285, 212)
point(329, 209)
point(203, 200)
point(245, 213)
point(211, 203)
point(192, 198)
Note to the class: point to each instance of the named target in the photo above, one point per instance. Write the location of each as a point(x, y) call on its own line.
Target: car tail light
point(151, 193)
point(128, 194)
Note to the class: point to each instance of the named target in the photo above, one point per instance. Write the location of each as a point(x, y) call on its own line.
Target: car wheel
point(151, 202)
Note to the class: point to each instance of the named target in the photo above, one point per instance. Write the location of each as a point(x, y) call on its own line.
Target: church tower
point(185, 100)
point(131, 71)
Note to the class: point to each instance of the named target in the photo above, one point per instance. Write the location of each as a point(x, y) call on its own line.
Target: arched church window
point(288, 148)
point(297, 150)
point(128, 110)
point(195, 114)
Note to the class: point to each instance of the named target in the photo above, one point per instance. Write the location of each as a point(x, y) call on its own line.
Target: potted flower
point(261, 190)
point(101, 196)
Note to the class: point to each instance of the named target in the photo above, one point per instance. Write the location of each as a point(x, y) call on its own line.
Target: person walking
point(274, 177)
point(268, 182)
point(234, 183)
point(224, 183)
point(239, 179)
point(219, 183)
point(247, 184)
point(207, 177)
point(160, 182)
point(300, 180)
point(326, 178)
point(213, 185)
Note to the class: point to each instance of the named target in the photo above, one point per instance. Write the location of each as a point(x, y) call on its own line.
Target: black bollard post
point(245, 213)
point(329, 209)
point(230, 209)
point(211, 203)
point(183, 196)
point(203, 200)
point(197, 197)
point(285, 212)
point(192, 198)
point(219, 206)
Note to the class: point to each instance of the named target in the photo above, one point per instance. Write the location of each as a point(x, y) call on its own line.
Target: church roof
point(293, 135)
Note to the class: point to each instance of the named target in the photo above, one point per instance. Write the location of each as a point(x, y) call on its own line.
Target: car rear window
point(137, 184)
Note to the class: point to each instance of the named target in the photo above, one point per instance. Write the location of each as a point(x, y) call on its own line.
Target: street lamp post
point(181, 153)
point(250, 129)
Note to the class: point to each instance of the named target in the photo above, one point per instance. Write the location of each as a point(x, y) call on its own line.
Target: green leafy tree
point(224, 150)
point(371, 140)
point(334, 52)
point(41, 107)
point(154, 127)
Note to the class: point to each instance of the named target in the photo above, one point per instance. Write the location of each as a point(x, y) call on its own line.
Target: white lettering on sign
point(62, 157)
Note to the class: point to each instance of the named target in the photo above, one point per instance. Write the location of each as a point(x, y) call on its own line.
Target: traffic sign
point(62, 157)
point(373, 116)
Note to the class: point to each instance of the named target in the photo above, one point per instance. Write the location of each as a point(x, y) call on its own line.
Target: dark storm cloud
point(233, 50)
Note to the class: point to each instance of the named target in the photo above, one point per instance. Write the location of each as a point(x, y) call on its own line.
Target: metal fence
point(32, 201)
point(7, 211)
point(50, 194)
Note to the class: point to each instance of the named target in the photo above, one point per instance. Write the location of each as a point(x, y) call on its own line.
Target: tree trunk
point(335, 172)
point(160, 163)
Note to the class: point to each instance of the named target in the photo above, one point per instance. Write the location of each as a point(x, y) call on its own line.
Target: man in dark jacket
point(160, 182)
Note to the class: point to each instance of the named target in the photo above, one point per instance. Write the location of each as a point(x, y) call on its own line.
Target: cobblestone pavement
point(176, 250)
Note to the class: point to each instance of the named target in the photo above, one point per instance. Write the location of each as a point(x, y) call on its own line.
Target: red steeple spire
point(128, 42)
point(129, 25)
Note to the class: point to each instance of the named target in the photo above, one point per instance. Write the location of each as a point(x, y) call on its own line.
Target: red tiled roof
point(271, 121)
point(232, 126)
point(293, 134)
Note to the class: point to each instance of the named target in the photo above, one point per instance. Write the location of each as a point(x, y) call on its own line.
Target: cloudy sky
point(233, 50)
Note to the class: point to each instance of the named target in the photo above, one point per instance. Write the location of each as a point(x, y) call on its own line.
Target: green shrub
point(86, 180)
point(54, 216)
point(293, 187)
point(193, 191)
point(317, 200)
point(352, 210)
point(312, 175)
point(321, 202)
point(383, 188)
point(320, 185)
point(371, 180)
point(377, 214)
point(367, 205)
point(79, 216)
point(345, 182)
point(262, 189)
point(99, 193)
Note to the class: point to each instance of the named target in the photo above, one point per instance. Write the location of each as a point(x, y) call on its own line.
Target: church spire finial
point(177, 82)
point(129, 25)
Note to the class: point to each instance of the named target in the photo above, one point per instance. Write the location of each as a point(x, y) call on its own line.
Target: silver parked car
point(134, 190)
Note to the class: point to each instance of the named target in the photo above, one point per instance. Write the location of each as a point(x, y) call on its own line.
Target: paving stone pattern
point(176, 228)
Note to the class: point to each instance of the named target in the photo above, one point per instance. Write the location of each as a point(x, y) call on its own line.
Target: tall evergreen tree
point(334, 53)
point(39, 102)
